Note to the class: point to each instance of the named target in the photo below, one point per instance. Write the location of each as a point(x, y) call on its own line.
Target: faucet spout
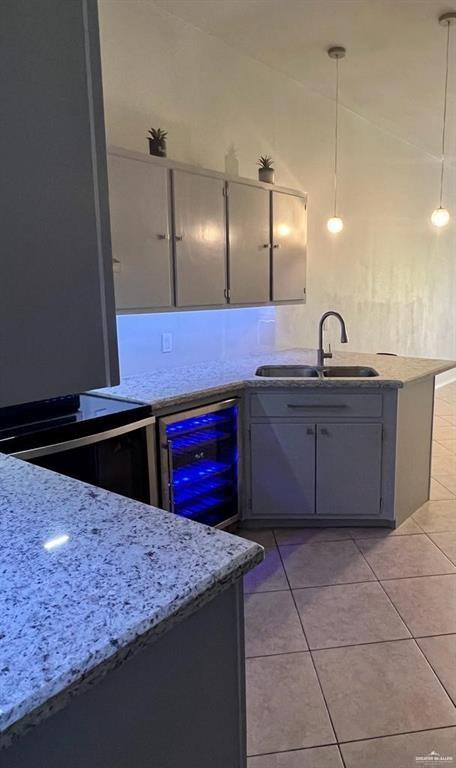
point(322, 355)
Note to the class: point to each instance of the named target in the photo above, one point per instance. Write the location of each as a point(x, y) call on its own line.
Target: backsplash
point(193, 337)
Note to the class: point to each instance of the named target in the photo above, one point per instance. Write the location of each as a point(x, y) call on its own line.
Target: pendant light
point(440, 217)
point(335, 223)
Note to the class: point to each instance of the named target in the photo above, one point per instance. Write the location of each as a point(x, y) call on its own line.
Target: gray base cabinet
point(283, 469)
point(349, 462)
point(178, 703)
point(347, 455)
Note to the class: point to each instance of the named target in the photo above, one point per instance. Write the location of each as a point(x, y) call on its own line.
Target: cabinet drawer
point(315, 405)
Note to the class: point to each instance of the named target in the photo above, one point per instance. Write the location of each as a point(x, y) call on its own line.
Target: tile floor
point(351, 635)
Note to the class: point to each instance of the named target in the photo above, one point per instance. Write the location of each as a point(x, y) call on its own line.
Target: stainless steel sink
point(288, 371)
point(348, 372)
point(313, 372)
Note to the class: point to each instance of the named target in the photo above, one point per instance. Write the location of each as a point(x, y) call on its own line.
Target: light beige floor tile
point(448, 480)
point(446, 542)
point(436, 516)
point(285, 707)
point(439, 492)
point(263, 536)
point(448, 445)
point(316, 757)
point(441, 654)
point(268, 575)
point(443, 465)
point(401, 751)
point(272, 624)
point(439, 449)
point(439, 421)
point(444, 408)
point(409, 526)
point(325, 563)
point(308, 535)
point(443, 430)
point(404, 556)
point(381, 689)
point(427, 605)
point(348, 614)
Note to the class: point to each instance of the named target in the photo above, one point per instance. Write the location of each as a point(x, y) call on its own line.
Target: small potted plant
point(157, 142)
point(266, 169)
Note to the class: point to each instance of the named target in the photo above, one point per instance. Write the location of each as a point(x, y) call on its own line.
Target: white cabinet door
point(289, 237)
point(200, 239)
point(249, 244)
point(140, 230)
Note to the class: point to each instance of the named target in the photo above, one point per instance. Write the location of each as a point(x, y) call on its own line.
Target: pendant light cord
point(336, 137)
point(442, 170)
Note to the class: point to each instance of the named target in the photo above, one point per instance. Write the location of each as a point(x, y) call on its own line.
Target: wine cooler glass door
point(200, 463)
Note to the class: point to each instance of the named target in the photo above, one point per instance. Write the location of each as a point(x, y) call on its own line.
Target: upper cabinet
point(249, 244)
point(289, 247)
point(189, 238)
point(199, 239)
point(141, 234)
point(57, 315)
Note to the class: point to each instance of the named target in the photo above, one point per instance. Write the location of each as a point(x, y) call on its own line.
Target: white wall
point(390, 272)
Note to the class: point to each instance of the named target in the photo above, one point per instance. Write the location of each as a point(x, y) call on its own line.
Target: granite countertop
point(182, 385)
point(123, 574)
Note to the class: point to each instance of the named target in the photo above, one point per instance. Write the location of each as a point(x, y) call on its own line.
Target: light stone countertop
point(126, 574)
point(180, 386)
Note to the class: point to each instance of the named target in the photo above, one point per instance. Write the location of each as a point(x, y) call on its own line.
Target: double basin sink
point(314, 372)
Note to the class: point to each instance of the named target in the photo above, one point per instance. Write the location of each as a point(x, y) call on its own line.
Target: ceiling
point(394, 70)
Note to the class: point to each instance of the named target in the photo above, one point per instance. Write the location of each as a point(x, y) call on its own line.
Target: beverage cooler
point(199, 463)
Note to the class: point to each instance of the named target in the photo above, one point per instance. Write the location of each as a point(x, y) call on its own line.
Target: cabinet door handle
point(178, 237)
point(276, 245)
point(297, 406)
point(310, 431)
point(266, 245)
point(324, 431)
point(115, 261)
point(163, 237)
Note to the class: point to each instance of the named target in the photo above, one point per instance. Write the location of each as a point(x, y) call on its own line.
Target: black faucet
point(322, 355)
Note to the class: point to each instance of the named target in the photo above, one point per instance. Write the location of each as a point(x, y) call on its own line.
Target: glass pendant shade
point(440, 217)
point(335, 225)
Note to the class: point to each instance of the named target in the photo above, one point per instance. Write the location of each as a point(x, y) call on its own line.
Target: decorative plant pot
point(157, 148)
point(266, 174)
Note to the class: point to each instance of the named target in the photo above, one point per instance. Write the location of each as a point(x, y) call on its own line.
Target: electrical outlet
point(167, 342)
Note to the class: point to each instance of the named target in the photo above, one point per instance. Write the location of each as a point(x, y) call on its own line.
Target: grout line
point(354, 741)
point(415, 642)
point(439, 548)
point(434, 671)
point(310, 652)
point(401, 733)
point(357, 645)
point(349, 583)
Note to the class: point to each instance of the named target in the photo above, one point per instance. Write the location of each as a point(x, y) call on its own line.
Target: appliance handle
point(169, 448)
point(81, 442)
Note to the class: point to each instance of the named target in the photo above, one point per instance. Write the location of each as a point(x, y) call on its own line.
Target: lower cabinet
point(329, 470)
point(348, 463)
point(282, 470)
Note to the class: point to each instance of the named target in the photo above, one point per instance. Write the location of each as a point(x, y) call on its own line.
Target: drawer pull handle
point(297, 406)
